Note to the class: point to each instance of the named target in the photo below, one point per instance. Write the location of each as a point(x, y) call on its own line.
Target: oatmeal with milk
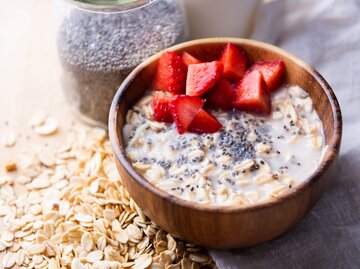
point(236, 143)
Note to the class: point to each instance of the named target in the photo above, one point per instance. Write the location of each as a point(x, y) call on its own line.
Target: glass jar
point(101, 41)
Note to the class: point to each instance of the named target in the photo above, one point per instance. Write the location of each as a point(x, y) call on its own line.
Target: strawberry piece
point(189, 59)
point(251, 95)
point(272, 71)
point(160, 104)
point(170, 74)
point(184, 109)
point(204, 122)
point(202, 77)
point(222, 95)
point(234, 61)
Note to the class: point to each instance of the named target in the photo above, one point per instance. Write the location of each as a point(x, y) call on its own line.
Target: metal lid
point(109, 5)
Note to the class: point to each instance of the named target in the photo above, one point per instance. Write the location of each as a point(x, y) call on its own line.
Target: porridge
point(223, 133)
point(252, 159)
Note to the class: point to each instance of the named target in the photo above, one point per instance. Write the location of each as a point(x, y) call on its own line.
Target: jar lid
point(109, 5)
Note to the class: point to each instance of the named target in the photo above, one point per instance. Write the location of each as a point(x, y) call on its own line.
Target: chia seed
point(165, 164)
point(235, 144)
point(182, 160)
point(99, 49)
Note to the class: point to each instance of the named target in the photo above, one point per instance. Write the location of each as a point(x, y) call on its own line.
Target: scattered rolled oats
point(38, 118)
point(121, 236)
point(7, 236)
point(143, 261)
point(9, 260)
point(10, 166)
point(75, 213)
point(46, 157)
point(48, 127)
point(36, 249)
point(8, 139)
point(87, 243)
point(94, 256)
point(200, 258)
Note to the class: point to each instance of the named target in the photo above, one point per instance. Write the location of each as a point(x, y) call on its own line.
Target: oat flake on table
point(74, 212)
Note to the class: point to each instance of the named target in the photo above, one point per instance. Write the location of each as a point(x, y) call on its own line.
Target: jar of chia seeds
point(101, 41)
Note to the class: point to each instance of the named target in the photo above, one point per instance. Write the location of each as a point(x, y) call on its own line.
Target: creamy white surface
point(210, 177)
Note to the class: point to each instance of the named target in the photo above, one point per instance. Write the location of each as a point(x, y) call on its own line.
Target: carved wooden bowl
point(230, 226)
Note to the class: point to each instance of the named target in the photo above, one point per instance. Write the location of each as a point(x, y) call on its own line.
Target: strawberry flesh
point(222, 95)
point(184, 109)
point(161, 107)
point(251, 94)
point(272, 71)
point(170, 73)
point(234, 61)
point(204, 122)
point(189, 59)
point(202, 77)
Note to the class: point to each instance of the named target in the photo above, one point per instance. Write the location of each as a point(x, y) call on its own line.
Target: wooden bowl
point(230, 226)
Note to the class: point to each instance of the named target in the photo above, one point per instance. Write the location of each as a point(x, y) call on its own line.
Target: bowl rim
point(333, 147)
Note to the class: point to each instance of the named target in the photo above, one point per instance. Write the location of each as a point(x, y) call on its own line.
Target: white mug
point(220, 18)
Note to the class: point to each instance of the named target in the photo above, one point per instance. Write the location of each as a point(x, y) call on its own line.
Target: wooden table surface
point(29, 74)
point(29, 77)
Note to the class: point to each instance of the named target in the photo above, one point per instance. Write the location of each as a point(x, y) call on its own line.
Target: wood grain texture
point(29, 79)
point(29, 75)
point(231, 226)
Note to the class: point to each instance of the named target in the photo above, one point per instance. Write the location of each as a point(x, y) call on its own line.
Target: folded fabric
point(326, 34)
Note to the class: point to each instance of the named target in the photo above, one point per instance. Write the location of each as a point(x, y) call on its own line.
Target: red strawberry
point(202, 77)
point(234, 61)
point(184, 109)
point(170, 74)
point(222, 95)
point(251, 95)
point(204, 122)
point(161, 107)
point(189, 59)
point(272, 71)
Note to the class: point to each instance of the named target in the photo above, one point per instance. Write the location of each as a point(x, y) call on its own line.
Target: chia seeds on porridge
point(252, 159)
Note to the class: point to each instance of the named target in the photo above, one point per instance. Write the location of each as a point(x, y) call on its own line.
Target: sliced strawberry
point(204, 122)
point(222, 95)
point(170, 74)
point(202, 77)
point(184, 109)
point(160, 104)
point(189, 59)
point(272, 71)
point(251, 94)
point(234, 61)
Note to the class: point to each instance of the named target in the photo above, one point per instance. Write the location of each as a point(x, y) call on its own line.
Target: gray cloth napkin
point(326, 34)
